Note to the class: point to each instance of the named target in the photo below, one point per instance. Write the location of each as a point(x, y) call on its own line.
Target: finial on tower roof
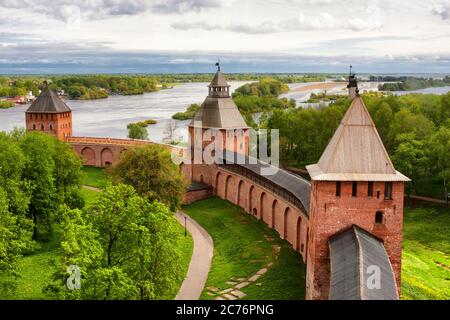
point(218, 65)
point(352, 84)
point(45, 83)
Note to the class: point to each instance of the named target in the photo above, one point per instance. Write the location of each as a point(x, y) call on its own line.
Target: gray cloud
point(33, 56)
point(322, 21)
point(442, 10)
point(65, 10)
point(182, 6)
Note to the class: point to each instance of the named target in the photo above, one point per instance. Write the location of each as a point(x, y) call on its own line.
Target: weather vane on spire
point(351, 67)
point(218, 65)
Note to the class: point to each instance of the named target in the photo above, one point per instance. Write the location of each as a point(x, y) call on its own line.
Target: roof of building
point(293, 184)
point(219, 110)
point(48, 102)
point(352, 253)
point(219, 80)
point(356, 151)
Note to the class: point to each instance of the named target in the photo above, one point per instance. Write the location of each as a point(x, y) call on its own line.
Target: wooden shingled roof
point(356, 151)
point(48, 102)
point(219, 112)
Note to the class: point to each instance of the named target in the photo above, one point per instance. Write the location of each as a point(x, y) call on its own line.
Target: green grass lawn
point(89, 196)
point(94, 177)
point(187, 246)
point(426, 253)
point(244, 245)
point(36, 270)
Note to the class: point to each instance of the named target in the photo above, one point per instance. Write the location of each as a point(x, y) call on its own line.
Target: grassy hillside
point(244, 245)
point(426, 253)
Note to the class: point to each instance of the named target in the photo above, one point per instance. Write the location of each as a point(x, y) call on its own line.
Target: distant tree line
point(101, 86)
point(410, 83)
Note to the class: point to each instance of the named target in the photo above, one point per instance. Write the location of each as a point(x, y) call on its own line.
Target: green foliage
point(144, 123)
point(151, 171)
point(264, 87)
point(11, 246)
point(414, 129)
point(4, 104)
point(188, 114)
point(136, 131)
point(53, 171)
point(125, 246)
point(412, 83)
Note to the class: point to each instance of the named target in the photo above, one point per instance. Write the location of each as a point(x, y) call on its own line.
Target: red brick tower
point(217, 117)
point(353, 184)
point(48, 113)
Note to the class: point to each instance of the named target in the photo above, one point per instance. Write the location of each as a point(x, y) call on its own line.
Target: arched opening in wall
point(239, 197)
point(255, 212)
point(42, 127)
point(285, 227)
point(34, 127)
point(51, 127)
point(201, 179)
point(250, 198)
point(261, 206)
point(88, 156)
point(227, 188)
point(379, 217)
point(106, 157)
point(217, 184)
point(274, 213)
point(299, 238)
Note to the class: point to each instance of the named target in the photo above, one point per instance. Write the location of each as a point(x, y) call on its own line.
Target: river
point(109, 117)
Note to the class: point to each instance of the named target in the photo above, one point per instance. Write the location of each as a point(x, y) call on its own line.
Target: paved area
point(237, 284)
point(91, 188)
point(433, 200)
point(196, 277)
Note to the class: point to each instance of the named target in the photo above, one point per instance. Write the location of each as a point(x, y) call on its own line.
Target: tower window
point(354, 189)
point(370, 189)
point(379, 217)
point(388, 190)
point(338, 188)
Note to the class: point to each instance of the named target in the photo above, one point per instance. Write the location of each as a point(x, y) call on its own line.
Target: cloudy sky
point(79, 36)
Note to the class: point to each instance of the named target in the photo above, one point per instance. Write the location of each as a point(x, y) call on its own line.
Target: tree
point(439, 154)
point(125, 246)
point(150, 170)
point(170, 131)
point(410, 157)
point(383, 119)
point(136, 131)
point(53, 171)
point(405, 121)
point(12, 243)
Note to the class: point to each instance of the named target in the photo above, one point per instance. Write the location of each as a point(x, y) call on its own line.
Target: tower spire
point(352, 86)
point(218, 65)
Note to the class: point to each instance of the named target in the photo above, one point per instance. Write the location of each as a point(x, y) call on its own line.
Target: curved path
point(196, 277)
